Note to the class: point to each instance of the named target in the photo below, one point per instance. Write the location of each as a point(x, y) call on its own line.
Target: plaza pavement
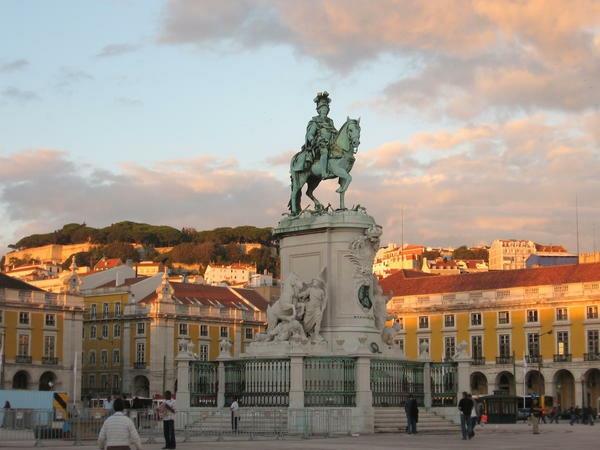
point(491, 437)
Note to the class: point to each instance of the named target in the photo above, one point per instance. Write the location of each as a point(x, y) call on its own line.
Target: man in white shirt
point(235, 415)
point(168, 416)
point(118, 431)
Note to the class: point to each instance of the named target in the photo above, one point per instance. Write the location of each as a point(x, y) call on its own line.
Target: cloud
point(69, 76)
point(116, 50)
point(19, 95)
point(14, 66)
point(42, 189)
point(472, 57)
point(463, 185)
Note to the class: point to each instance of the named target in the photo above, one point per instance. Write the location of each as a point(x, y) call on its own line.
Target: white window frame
point(183, 329)
point(480, 324)
point(535, 312)
point(53, 324)
point(507, 317)
point(27, 315)
point(53, 338)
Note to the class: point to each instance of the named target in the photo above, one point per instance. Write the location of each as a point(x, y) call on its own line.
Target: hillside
point(137, 241)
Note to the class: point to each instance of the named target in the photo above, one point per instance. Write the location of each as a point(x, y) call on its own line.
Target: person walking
point(465, 406)
point(235, 415)
point(554, 415)
point(167, 410)
point(474, 417)
point(412, 414)
point(118, 431)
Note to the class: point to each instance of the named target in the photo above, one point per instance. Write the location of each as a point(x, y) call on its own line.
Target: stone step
point(393, 420)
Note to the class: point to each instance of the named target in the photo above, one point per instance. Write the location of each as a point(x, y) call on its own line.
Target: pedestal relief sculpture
point(297, 314)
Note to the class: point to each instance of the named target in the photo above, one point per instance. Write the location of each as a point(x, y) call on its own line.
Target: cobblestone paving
point(492, 437)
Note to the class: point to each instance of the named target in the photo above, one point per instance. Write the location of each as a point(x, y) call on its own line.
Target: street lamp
point(539, 335)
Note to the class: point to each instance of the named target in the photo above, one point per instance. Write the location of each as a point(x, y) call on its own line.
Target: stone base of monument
point(327, 359)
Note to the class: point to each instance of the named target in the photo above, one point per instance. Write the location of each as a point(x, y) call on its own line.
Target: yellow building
point(134, 327)
point(525, 331)
point(40, 336)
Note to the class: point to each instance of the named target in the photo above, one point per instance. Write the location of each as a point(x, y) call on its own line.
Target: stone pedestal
point(427, 384)
point(363, 416)
point(183, 380)
point(310, 244)
point(296, 382)
point(464, 377)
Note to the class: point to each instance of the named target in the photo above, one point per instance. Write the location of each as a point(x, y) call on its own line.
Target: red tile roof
point(107, 263)
point(550, 248)
point(501, 279)
point(207, 295)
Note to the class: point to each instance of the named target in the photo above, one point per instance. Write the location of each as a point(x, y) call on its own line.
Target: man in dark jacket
point(412, 414)
point(465, 406)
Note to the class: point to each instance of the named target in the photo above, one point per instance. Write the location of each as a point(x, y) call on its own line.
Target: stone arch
point(591, 383)
point(141, 386)
point(535, 383)
point(564, 386)
point(479, 384)
point(47, 381)
point(21, 380)
point(505, 382)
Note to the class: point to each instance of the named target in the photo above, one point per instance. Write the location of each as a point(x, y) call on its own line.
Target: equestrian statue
point(327, 153)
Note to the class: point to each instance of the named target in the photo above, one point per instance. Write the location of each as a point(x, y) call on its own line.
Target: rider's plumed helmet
point(322, 99)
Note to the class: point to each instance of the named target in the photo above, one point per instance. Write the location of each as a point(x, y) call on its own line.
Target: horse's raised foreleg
point(344, 177)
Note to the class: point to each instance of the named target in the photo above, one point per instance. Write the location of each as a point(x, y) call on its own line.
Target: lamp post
point(549, 332)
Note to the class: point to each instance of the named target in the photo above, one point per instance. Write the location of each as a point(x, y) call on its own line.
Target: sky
point(479, 119)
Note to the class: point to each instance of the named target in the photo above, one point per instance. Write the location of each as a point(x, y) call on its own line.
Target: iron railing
point(566, 357)
point(478, 361)
point(258, 382)
point(591, 356)
point(504, 359)
point(203, 383)
point(329, 381)
point(444, 384)
point(534, 359)
point(393, 381)
point(23, 359)
point(139, 365)
point(50, 360)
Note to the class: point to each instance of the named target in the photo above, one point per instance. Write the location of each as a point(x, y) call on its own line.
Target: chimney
point(118, 279)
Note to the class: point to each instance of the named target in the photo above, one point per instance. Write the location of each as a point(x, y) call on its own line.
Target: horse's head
point(353, 130)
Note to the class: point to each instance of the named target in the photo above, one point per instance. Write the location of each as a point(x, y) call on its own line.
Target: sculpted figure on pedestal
point(314, 301)
point(361, 254)
point(298, 312)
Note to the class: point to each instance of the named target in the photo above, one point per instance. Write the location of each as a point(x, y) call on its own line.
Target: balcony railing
point(479, 361)
point(504, 360)
point(566, 357)
point(23, 359)
point(534, 359)
point(50, 360)
point(139, 365)
point(591, 356)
